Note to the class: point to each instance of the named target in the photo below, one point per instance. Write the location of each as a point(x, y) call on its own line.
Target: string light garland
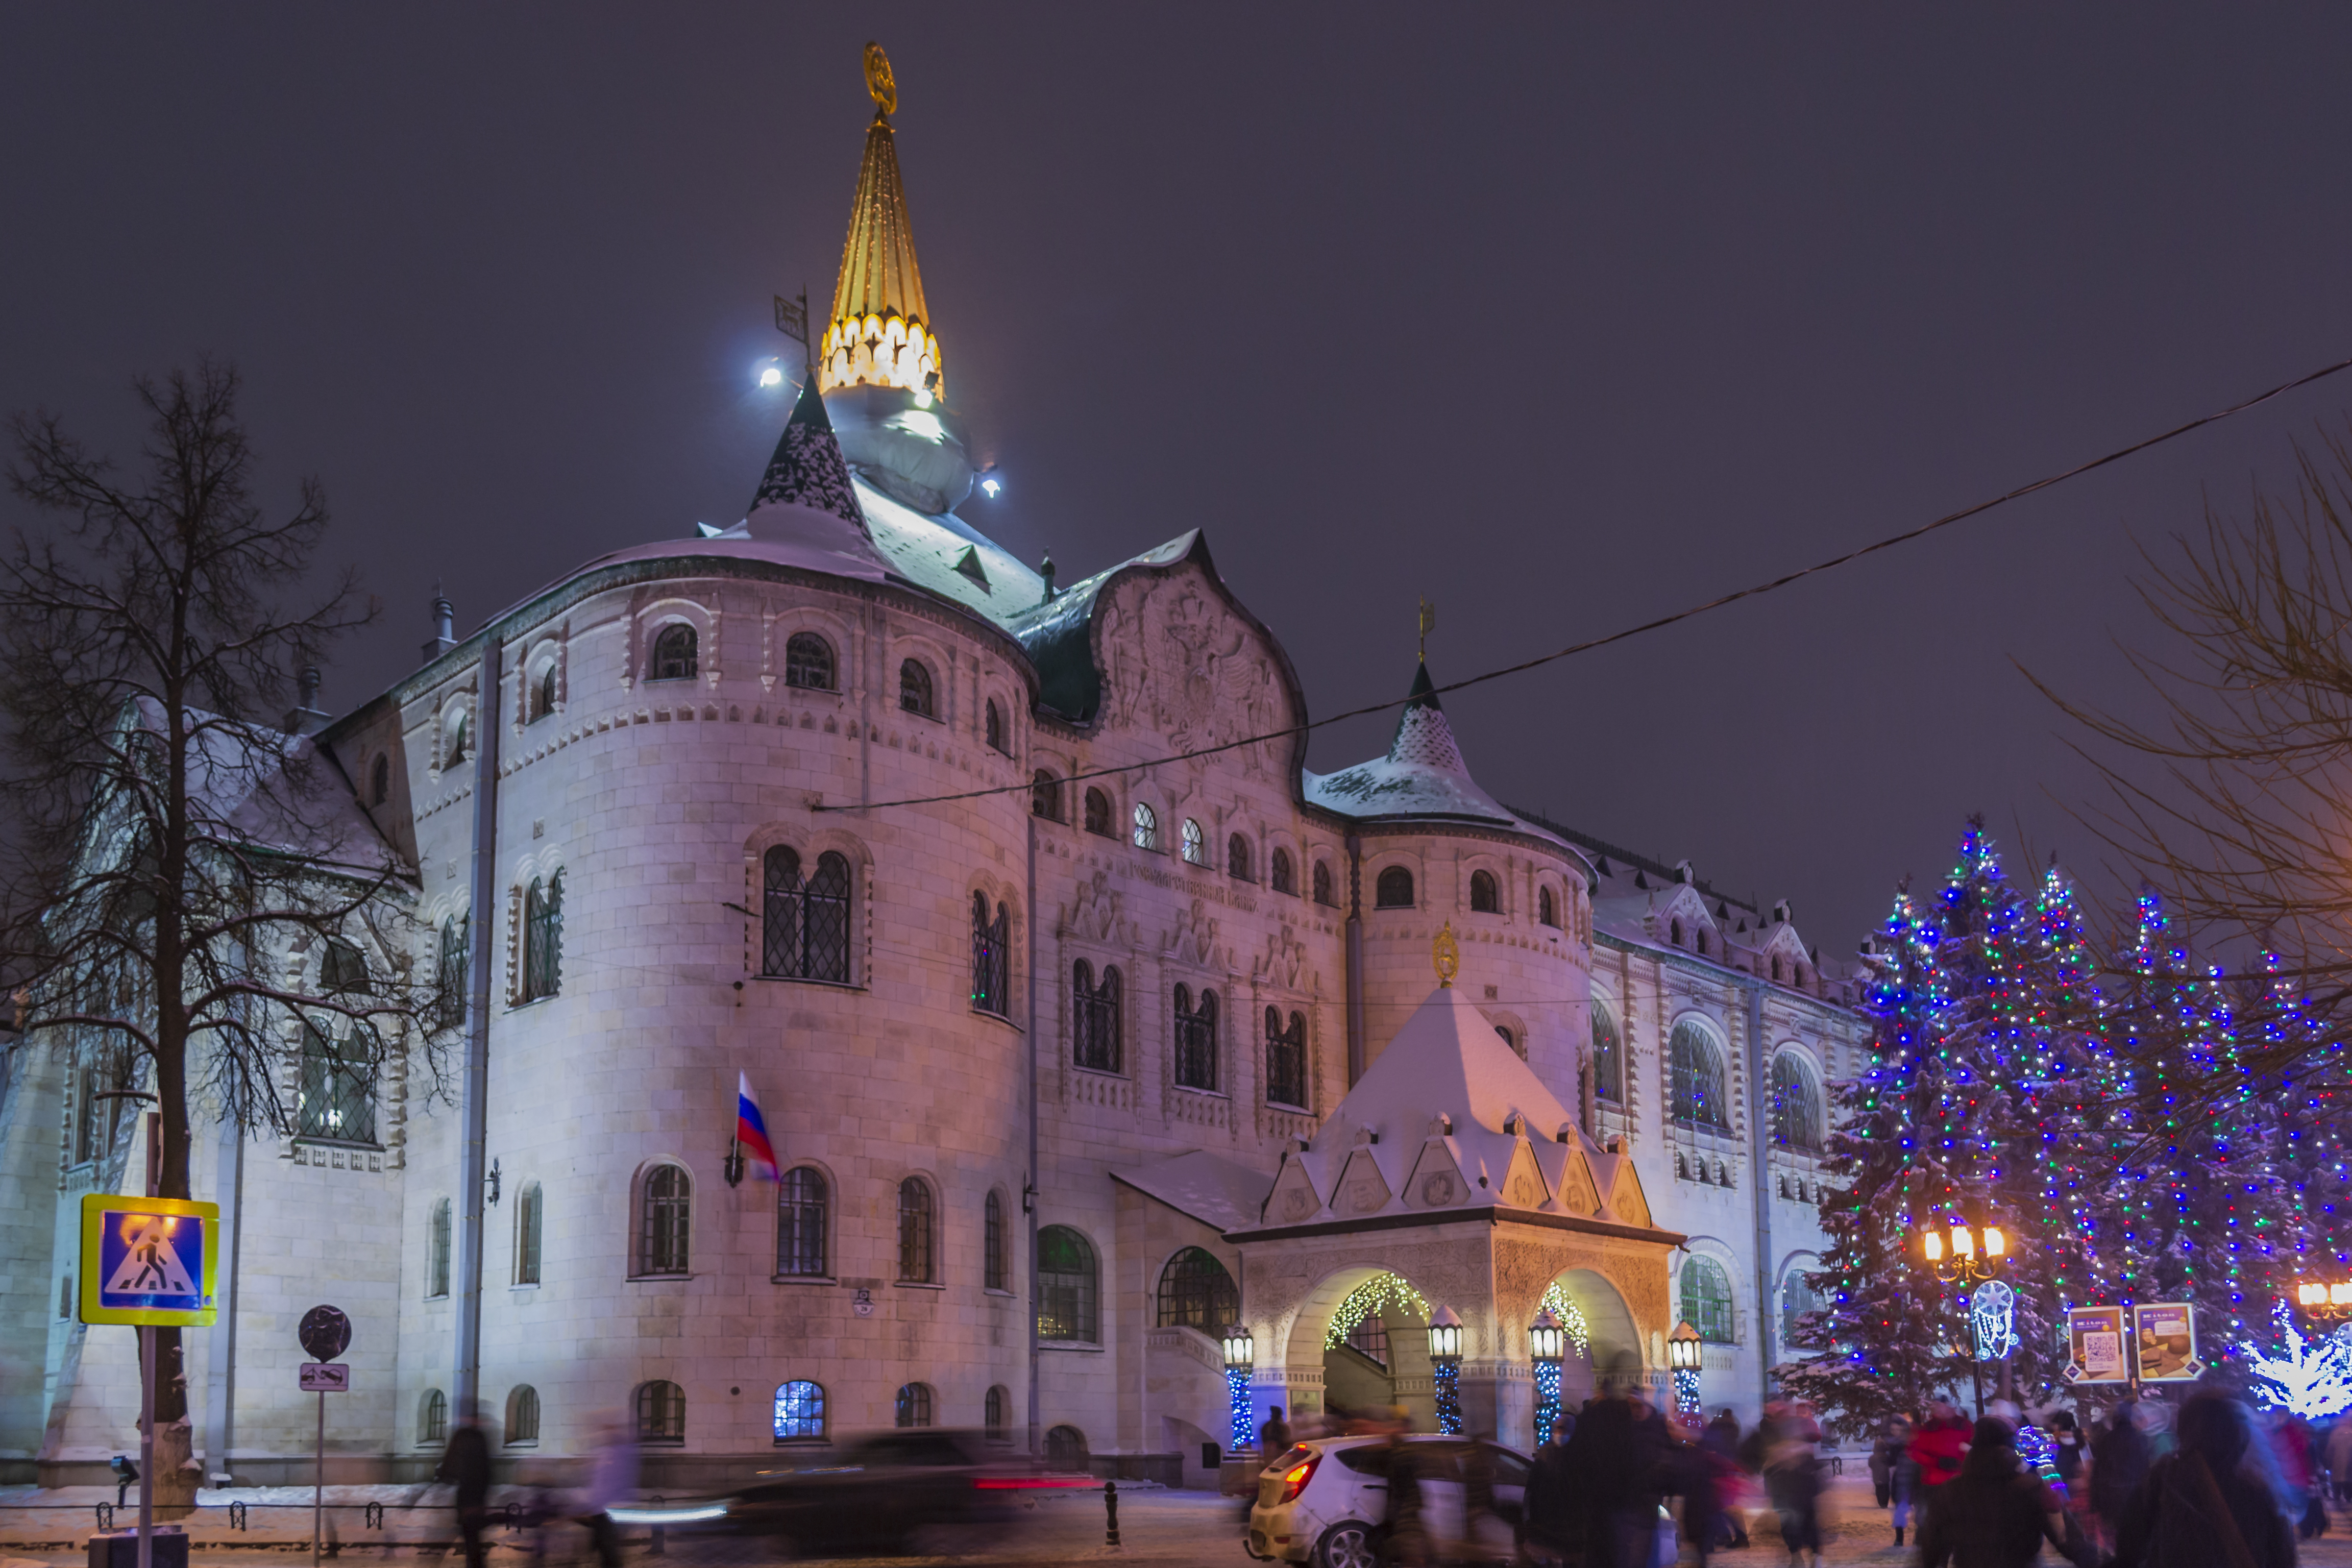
point(1572, 1319)
point(1376, 1297)
point(1242, 1413)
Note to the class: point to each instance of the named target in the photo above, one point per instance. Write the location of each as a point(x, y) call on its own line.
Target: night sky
point(1562, 320)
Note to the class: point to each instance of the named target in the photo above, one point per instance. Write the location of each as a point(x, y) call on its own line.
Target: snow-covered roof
point(942, 553)
point(1211, 1188)
point(261, 788)
point(1423, 775)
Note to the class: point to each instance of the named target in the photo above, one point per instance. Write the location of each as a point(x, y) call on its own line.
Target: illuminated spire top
point(880, 332)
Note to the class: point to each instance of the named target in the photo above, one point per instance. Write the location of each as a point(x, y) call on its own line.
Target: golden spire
point(1447, 953)
point(880, 333)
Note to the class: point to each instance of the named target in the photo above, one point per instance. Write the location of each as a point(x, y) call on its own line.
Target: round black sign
point(325, 1332)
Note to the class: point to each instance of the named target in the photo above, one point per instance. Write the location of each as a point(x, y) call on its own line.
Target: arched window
point(915, 1216)
point(1044, 795)
point(1099, 814)
point(1147, 826)
point(914, 1405)
point(1280, 876)
point(1798, 1297)
point(996, 1414)
point(800, 1412)
point(915, 689)
point(1237, 858)
point(805, 922)
point(808, 662)
point(1676, 929)
point(992, 940)
point(1323, 893)
point(337, 1097)
point(1485, 898)
point(1796, 1105)
point(437, 1249)
point(1195, 1292)
point(380, 781)
point(802, 1208)
point(454, 733)
point(1286, 1059)
point(1608, 1057)
point(542, 938)
point(454, 975)
point(1095, 1018)
point(530, 1207)
point(1547, 908)
point(675, 654)
point(343, 968)
point(1196, 1040)
point(1706, 1299)
point(1066, 1448)
point(1699, 1099)
point(661, 1413)
point(995, 727)
point(996, 1265)
point(1196, 846)
point(523, 1416)
point(1503, 1032)
point(542, 692)
point(663, 1226)
point(1393, 890)
point(432, 1419)
point(1066, 1286)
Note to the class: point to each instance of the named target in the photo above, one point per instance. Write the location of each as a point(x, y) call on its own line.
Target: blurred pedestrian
point(1882, 1465)
point(466, 1468)
point(1550, 1516)
point(2292, 1445)
point(1273, 1437)
point(612, 1477)
point(1696, 1479)
point(2339, 1457)
point(1902, 1473)
point(1937, 1446)
point(1792, 1478)
point(1405, 1535)
point(1721, 1443)
point(1994, 1513)
point(2205, 1505)
point(2065, 1449)
point(2119, 1460)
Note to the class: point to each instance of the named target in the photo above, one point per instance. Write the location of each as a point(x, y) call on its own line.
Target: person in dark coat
point(2203, 1505)
point(1697, 1480)
point(1721, 1444)
point(466, 1466)
point(1551, 1526)
point(1992, 1514)
point(1405, 1539)
point(2119, 1459)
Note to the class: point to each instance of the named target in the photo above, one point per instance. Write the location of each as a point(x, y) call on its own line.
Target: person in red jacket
point(1940, 1443)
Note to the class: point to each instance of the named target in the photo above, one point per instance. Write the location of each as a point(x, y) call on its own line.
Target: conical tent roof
point(808, 469)
point(879, 275)
point(1448, 1058)
point(1423, 775)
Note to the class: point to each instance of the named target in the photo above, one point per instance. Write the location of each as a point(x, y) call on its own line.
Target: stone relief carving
point(1284, 961)
point(1194, 938)
point(1095, 912)
point(1170, 651)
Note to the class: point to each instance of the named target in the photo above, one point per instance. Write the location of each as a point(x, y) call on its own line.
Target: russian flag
point(750, 1132)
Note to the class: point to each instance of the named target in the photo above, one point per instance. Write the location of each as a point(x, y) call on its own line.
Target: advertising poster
point(2165, 1334)
point(2095, 1344)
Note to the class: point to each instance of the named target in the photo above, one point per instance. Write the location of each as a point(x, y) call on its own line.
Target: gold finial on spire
point(879, 82)
point(1428, 625)
point(1447, 953)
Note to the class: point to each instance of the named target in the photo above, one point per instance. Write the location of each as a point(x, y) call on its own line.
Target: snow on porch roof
point(1212, 1189)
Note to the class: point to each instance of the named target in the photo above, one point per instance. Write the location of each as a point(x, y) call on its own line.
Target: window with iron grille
point(802, 1207)
point(914, 1405)
point(343, 970)
point(676, 654)
point(1195, 1292)
point(1370, 1339)
point(437, 1251)
point(1044, 795)
point(1706, 1299)
point(661, 1413)
point(1066, 1286)
point(990, 964)
point(1195, 844)
point(800, 1412)
point(996, 1414)
point(1237, 859)
point(1699, 1097)
point(1280, 877)
point(1608, 1057)
point(915, 689)
point(523, 1416)
point(542, 693)
point(1796, 1105)
point(1196, 1039)
point(1095, 1018)
point(1066, 1448)
point(662, 1227)
point(1393, 890)
point(1323, 893)
point(808, 662)
point(542, 938)
point(995, 1266)
point(1286, 1059)
point(337, 1098)
point(1486, 898)
point(453, 978)
point(1547, 908)
point(915, 1213)
point(805, 922)
point(1099, 813)
point(529, 1210)
point(1147, 826)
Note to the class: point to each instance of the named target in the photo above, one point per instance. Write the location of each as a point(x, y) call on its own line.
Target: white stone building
point(1059, 1075)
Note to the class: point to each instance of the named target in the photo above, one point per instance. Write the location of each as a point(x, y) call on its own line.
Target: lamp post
point(1963, 1259)
point(1240, 1354)
point(2329, 1300)
point(1445, 1368)
point(1547, 1346)
point(1685, 1353)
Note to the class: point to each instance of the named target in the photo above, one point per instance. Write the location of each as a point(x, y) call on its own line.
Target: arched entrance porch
point(1362, 1336)
point(1612, 1342)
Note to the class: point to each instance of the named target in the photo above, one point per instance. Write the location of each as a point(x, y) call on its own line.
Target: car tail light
point(1295, 1480)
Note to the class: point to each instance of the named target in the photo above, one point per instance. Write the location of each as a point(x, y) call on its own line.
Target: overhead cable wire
point(1659, 623)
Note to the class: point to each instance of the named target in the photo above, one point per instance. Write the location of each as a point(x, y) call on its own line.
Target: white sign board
point(326, 1377)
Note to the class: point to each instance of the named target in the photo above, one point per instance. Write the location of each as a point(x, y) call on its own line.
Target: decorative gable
point(1437, 1181)
point(1360, 1189)
point(1294, 1200)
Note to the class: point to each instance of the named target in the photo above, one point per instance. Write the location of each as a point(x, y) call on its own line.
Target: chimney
point(1046, 570)
point(443, 637)
point(304, 717)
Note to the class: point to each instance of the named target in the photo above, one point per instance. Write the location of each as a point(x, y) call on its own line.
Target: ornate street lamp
point(1547, 1345)
point(2330, 1299)
point(1962, 1261)
point(1685, 1353)
point(1240, 1354)
point(1445, 1367)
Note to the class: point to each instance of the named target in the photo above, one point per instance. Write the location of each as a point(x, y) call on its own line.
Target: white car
point(1323, 1501)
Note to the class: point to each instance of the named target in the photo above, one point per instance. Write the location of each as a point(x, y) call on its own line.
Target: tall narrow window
point(661, 1413)
point(996, 1414)
point(989, 964)
point(915, 1239)
point(380, 783)
point(1486, 898)
point(529, 1209)
point(1286, 1059)
point(995, 727)
point(1699, 1095)
point(1095, 1018)
point(344, 970)
point(1796, 1105)
point(1323, 893)
point(1237, 858)
point(805, 922)
point(1706, 1299)
point(337, 1098)
point(1044, 795)
point(1196, 1039)
point(1196, 1292)
point(523, 1416)
point(542, 696)
point(454, 732)
point(677, 655)
point(542, 938)
point(915, 689)
point(437, 1251)
point(432, 1419)
point(995, 1266)
point(1798, 1297)
point(1066, 1286)
point(1099, 814)
point(1608, 1058)
point(808, 662)
point(1547, 908)
point(1281, 878)
point(801, 1210)
point(664, 1227)
point(1147, 826)
point(1195, 844)
point(914, 1405)
point(800, 1412)
point(453, 978)
point(1393, 890)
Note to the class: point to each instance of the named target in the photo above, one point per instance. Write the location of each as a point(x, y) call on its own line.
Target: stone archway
point(1397, 1372)
point(1613, 1344)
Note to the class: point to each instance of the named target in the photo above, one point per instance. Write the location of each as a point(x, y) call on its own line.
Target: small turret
point(445, 618)
point(304, 717)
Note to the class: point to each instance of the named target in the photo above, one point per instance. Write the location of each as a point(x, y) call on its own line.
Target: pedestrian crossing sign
point(149, 1261)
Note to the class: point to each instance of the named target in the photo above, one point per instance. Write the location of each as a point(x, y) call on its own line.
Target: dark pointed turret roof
point(1423, 775)
point(808, 469)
